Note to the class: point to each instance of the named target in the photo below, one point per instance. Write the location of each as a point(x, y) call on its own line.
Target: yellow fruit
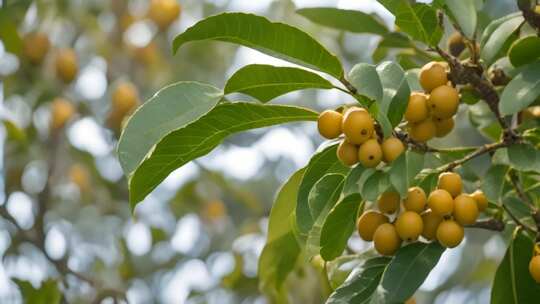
point(357, 125)
point(456, 45)
point(347, 153)
point(369, 222)
point(450, 234)
point(465, 209)
point(164, 12)
point(431, 223)
point(35, 47)
point(481, 200)
point(443, 102)
point(61, 111)
point(534, 268)
point(415, 200)
point(215, 209)
point(409, 226)
point(417, 109)
point(370, 153)
point(66, 65)
point(386, 239)
point(423, 131)
point(329, 124)
point(433, 75)
point(537, 9)
point(410, 301)
point(124, 98)
point(443, 126)
point(392, 148)
point(450, 182)
point(388, 202)
point(441, 202)
point(78, 174)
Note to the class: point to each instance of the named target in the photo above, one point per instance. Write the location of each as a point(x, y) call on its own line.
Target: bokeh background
point(197, 238)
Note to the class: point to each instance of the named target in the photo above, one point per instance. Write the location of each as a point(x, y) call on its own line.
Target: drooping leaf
point(522, 90)
point(8, 32)
point(322, 198)
point(513, 283)
point(404, 170)
point(346, 20)
point(47, 293)
point(493, 25)
point(493, 182)
point(524, 50)
point(396, 91)
point(340, 268)
point(281, 250)
point(381, 118)
point(365, 79)
point(171, 108)
point(374, 185)
point(419, 20)
point(524, 157)
point(273, 38)
point(361, 283)
point(202, 136)
point(339, 225)
point(498, 38)
point(266, 82)
point(464, 12)
point(407, 271)
point(427, 180)
point(351, 181)
point(321, 163)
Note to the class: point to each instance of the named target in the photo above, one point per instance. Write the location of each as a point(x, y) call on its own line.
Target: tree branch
point(480, 151)
point(529, 14)
point(491, 224)
point(518, 221)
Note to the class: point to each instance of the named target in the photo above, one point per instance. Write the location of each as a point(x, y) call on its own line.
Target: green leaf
point(374, 185)
point(322, 198)
point(524, 157)
point(493, 182)
point(340, 268)
point(407, 271)
point(404, 170)
point(522, 90)
point(493, 25)
point(202, 136)
point(427, 180)
point(284, 206)
point(524, 50)
point(345, 20)
point(382, 119)
point(464, 12)
point(171, 108)
point(351, 181)
point(498, 38)
point(266, 82)
point(281, 250)
point(8, 32)
point(396, 91)
point(13, 131)
point(361, 283)
point(419, 20)
point(339, 225)
point(513, 283)
point(412, 79)
point(47, 293)
point(272, 38)
point(321, 163)
point(365, 79)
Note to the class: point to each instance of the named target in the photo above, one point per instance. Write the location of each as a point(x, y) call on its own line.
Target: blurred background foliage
point(67, 234)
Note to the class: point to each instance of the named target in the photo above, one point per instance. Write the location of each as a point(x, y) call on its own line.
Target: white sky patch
point(281, 142)
point(447, 265)
point(109, 167)
point(19, 205)
point(55, 243)
point(180, 176)
point(258, 6)
point(188, 231)
point(237, 162)
point(140, 33)
point(192, 275)
point(92, 82)
point(86, 135)
point(139, 238)
point(220, 264)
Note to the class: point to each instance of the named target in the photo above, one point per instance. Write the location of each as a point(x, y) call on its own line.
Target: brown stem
point(491, 224)
point(529, 14)
point(514, 179)
point(348, 85)
point(422, 147)
point(518, 221)
point(480, 151)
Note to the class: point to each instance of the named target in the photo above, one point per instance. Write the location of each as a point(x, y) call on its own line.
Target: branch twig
point(518, 221)
point(480, 151)
point(491, 224)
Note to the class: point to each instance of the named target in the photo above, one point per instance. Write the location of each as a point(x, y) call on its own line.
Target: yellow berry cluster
point(360, 143)
point(430, 113)
point(441, 215)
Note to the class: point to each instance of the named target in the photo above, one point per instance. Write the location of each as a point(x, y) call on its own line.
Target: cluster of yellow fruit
point(448, 210)
point(124, 100)
point(430, 113)
point(360, 143)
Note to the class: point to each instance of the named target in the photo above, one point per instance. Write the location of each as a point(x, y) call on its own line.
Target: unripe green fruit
point(443, 102)
point(415, 200)
point(357, 125)
point(450, 182)
point(433, 75)
point(386, 239)
point(441, 202)
point(370, 153)
point(465, 209)
point(369, 222)
point(329, 124)
point(392, 148)
point(347, 153)
point(409, 226)
point(450, 234)
point(388, 202)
